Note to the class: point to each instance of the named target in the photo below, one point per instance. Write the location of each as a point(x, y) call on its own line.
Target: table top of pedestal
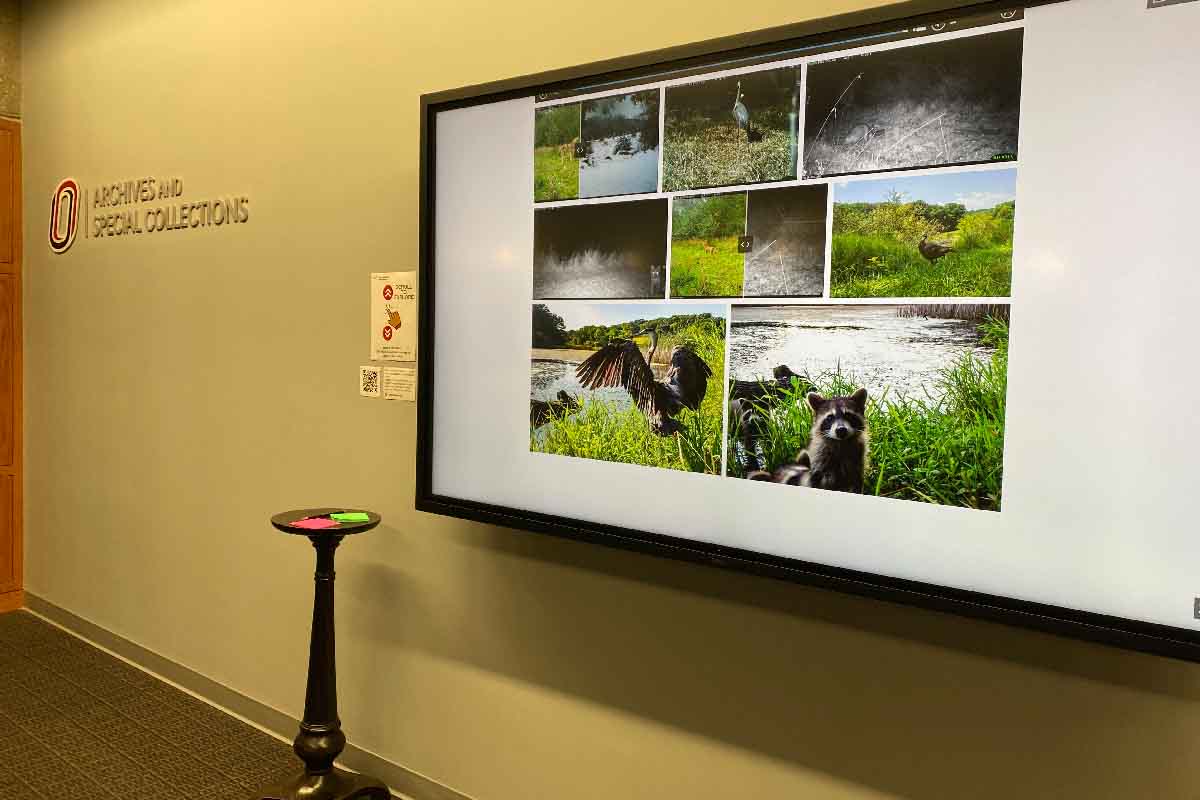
point(285, 521)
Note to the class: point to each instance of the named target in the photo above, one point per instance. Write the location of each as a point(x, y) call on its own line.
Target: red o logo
point(387, 333)
point(64, 216)
point(387, 291)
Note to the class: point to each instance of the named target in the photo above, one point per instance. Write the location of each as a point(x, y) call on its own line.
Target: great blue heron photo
point(621, 363)
point(734, 130)
point(932, 103)
point(647, 381)
point(600, 251)
point(619, 138)
point(918, 390)
point(941, 234)
point(741, 114)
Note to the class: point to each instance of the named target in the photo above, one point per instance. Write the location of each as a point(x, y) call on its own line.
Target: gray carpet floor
point(77, 723)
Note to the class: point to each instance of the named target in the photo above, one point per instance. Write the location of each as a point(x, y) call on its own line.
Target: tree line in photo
point(550, 331)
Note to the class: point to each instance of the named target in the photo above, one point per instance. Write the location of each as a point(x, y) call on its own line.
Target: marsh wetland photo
point(555, 166)
point(735, 130)
point(620, 145)
point(899, 401)
point(943, 234)
point(601, 251)
point(630, 383)
point(705, 260)
point(787, 254)
point(941, 103)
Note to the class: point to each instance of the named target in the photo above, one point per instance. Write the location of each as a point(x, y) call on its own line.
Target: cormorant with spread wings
point(620, 363)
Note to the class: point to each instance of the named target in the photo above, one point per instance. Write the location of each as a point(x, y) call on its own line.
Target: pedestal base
point(334, 785)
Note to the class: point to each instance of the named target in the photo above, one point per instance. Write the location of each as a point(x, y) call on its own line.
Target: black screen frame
point(1117, 631)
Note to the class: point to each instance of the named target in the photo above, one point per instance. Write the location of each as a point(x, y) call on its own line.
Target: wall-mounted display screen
point(848, 307)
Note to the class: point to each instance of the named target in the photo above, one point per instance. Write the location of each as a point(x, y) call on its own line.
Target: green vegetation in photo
point(600, 430)
point(705, 261)
point(948, 452)
point(549, 330)
point(555, 168)
point(593, 337)
point(706, 268)
point(875, 250)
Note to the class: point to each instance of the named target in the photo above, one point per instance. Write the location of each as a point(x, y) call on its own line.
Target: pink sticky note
point(315, 523)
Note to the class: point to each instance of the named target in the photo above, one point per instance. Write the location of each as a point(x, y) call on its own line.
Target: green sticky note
point(350, 516)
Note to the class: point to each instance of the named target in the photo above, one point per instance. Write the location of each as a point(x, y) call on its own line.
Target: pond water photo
point(881, 350)
point(548, 377)
point(930, 427)
point(620, 145)
point(618, 165)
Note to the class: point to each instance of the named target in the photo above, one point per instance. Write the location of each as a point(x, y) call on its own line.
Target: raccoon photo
point(797, 474)
point(929, 381)
point(837, 450)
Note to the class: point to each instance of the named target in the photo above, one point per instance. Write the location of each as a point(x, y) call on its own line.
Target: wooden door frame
point(13, 596)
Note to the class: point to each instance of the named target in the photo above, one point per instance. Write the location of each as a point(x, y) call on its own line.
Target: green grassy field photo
point(965, 218)
point(555, 167)
point(936, 434)
point(705, 261)
point(608, 426)
point(706, 267)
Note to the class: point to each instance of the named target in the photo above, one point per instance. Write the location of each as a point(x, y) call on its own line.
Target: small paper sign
point(369, 381)
point(393, 316)
point(399, 383)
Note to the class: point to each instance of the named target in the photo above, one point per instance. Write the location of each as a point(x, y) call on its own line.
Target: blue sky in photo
point(975, 190)
point(576, 315)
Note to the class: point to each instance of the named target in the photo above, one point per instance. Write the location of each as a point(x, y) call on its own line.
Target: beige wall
point(10, 58)
point(182, 387)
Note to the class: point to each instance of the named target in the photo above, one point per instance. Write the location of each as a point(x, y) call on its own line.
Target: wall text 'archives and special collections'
point(150, 205)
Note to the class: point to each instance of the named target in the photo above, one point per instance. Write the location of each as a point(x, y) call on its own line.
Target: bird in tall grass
point(542, 411)
point(620, 363)
point(741, 114)
point(932, 251)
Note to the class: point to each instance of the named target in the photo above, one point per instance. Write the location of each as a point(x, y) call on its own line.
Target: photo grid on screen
point(796, 272)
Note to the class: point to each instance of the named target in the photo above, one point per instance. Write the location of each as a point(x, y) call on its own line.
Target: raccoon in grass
point(796, 474)
point(837, 448)
point(836, 456)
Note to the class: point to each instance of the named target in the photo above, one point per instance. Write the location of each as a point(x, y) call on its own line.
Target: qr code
point(368, 385)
